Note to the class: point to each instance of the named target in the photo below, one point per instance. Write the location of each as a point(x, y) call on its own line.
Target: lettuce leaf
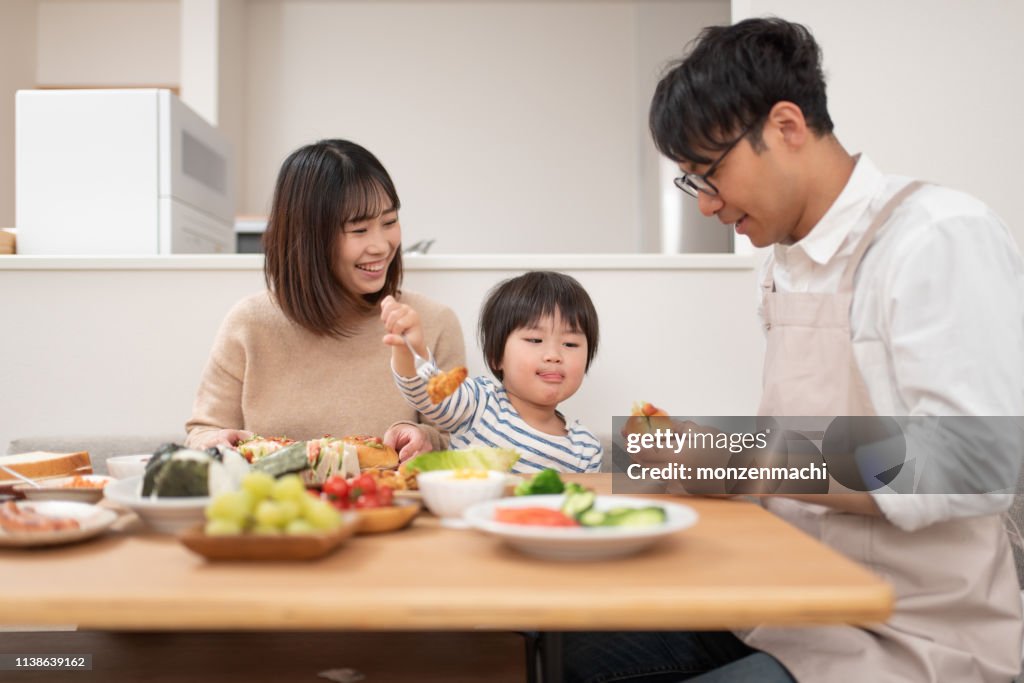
point(473, 458)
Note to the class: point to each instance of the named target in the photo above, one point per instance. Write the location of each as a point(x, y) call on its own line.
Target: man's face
point(758, 191)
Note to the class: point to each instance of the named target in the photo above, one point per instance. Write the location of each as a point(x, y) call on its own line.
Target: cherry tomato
point(336, 488)
point(386, 495)
point(368, 500)
point(361, 485)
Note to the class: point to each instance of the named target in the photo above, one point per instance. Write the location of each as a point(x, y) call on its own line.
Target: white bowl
point(448, 497)
point(124, 466)
point(166, 515)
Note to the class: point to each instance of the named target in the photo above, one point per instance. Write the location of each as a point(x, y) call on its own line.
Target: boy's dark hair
point(522, 301)
point(321, 187)
point(729, 82)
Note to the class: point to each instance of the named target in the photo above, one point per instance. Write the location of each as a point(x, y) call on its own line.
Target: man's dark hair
point(730, 80)
point(320, 188)
point(522, 301)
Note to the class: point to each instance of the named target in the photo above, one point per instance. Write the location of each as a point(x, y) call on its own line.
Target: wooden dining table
point(738, 567)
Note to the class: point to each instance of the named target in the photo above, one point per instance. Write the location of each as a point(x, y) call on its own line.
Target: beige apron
point(957, 611)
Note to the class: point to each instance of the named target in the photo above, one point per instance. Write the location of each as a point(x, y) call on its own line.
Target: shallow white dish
point(56, 489)
point(92, 520)
point(579, 543)
point(124, 466)
point(166, 515)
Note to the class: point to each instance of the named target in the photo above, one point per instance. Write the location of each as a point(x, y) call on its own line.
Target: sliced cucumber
point(578, 502)
point(649, 516)
point(592, 517)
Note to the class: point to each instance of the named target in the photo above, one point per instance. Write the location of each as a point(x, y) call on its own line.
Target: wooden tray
point(254, 547)
point(391, 518)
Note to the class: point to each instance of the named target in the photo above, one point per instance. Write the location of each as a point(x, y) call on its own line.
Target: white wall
point(91, 349)
point(17, 71)
point(508, 126)
point(108, 42)
point(212, 72)
point(663, 30)
point(927, 88)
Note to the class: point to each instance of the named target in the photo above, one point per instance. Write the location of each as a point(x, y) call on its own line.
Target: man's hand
point(690, 456)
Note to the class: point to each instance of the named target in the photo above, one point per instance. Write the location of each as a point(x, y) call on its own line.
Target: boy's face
point(544, 365)
point(759, 191)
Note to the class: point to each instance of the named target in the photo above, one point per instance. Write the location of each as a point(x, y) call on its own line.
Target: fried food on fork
point(443, 385)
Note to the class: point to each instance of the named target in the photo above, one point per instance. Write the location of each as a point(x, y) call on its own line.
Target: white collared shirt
point(937, 316)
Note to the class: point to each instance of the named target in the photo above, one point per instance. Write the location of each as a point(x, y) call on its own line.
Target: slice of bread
point(40, 464)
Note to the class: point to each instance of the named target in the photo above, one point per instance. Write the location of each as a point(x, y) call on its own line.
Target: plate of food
point(50, 522)
point(268, 519)
point(82, 488)
point(579, 525)
point(372, 497)
point(283, 547)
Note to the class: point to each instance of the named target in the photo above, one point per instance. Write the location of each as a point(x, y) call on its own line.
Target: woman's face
point(364, 251)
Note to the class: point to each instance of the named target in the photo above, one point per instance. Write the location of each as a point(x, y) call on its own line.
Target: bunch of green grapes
point(265, 505)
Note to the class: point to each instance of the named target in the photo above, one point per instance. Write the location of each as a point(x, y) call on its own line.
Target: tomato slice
point(534, 516)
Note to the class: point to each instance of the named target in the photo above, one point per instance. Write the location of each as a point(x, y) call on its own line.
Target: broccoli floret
point(545, 482)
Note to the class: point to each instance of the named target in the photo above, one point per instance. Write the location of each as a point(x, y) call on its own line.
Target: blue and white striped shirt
point(479, 413)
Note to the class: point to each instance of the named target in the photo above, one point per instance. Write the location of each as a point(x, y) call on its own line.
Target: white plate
point(166, 515)
point(579, 543)
point(56, 489)
point(92, 521)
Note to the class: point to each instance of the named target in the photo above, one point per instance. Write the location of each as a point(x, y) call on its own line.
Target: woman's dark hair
point(522, 301)
point(730, 81)
point(320, 188)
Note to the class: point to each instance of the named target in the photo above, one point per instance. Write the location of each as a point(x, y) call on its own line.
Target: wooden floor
point(274, 657)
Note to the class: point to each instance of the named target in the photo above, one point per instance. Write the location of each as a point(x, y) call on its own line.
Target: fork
point(424, 368)
point(21, 476)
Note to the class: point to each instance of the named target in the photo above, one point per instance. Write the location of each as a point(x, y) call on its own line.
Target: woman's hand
point(408, 439)
point(228, 437)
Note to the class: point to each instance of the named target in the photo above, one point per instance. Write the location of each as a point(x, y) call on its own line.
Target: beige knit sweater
point(270, 376)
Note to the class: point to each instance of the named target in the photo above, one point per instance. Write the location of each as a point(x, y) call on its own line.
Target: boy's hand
point(402, 319)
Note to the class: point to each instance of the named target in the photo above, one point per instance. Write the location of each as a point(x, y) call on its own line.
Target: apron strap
point(846, 283)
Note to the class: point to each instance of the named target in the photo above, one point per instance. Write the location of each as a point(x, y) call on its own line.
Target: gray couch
point(99, 447)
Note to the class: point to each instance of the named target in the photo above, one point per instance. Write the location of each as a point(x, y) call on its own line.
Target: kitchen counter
point(412, 262)
point(106, 346)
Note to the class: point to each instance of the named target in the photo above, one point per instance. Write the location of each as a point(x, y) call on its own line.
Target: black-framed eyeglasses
point(695, 183)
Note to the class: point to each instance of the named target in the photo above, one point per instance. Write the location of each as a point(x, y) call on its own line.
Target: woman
point(304, 358)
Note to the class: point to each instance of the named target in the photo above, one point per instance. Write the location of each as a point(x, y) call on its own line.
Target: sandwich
point(259, 447)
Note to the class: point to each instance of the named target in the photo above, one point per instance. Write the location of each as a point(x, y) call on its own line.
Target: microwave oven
point(125, 172)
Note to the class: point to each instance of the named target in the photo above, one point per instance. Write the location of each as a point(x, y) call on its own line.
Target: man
point(881, 296)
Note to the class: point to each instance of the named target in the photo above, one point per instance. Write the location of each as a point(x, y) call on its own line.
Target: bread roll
point(373, 452)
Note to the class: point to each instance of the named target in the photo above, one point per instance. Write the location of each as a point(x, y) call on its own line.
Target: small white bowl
point(124, 466)
point(448, 497)
point(58, 489)
point(165, 515)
